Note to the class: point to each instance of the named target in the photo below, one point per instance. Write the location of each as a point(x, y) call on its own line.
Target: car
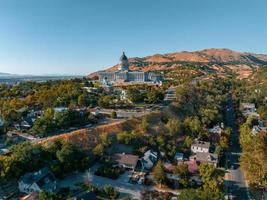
point(88, 126)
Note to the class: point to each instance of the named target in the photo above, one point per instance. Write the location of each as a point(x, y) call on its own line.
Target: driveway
point(121, 184)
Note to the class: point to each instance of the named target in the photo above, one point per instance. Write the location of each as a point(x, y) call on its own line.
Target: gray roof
point(123, 57)
point(38, 177)
point(206, 157)
point(201, 144)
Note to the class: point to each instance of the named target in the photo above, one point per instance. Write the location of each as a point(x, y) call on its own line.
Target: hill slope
point(219, 60)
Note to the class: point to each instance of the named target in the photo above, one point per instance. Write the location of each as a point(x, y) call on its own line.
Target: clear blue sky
point(82, 36)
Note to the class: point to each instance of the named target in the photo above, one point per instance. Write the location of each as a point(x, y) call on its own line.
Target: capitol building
point(124, 75)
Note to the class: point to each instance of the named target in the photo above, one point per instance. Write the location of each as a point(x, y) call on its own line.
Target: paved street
point(236, 185)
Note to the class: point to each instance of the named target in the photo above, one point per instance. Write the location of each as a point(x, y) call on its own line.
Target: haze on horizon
point(80, 37)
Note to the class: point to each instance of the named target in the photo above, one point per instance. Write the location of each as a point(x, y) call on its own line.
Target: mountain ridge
point(212, 57)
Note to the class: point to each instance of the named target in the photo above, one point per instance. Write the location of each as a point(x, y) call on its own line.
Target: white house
point(60, 109)
point(42, 180)
point(216, 129)
point(200, 146)
point(149, 159)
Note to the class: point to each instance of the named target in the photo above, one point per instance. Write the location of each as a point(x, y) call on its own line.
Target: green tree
point(174, 126)
point(113, 115)
point(182, 171)
point(154, 96)
point(211, 177)
point(159, 173)
point(145, 124)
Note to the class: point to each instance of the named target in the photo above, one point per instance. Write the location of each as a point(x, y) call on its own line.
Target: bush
point(109, 172)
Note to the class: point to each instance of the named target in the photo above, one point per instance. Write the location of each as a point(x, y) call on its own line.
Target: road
point(236, 184)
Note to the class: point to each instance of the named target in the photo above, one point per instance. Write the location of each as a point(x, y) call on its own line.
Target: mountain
point(5, 74)
point(217, 59)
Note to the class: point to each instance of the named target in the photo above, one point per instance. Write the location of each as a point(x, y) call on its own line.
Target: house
point(200, 146)
point(149, 159)
point(216, 130)
point(31, 196)
point(179, 156)
point(248, 106)
point(169, 167)
point(60, 109)
point(4, 151)
point(192, 166)
point(25, 124)
point(257, 129)
point(203, 157)
point(127, 161)
point(170, 175)
point(95, 111)
point(42, 180)
point(124, 95)
point(249, 110)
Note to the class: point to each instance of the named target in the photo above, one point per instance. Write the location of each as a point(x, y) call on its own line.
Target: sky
point(77, 37)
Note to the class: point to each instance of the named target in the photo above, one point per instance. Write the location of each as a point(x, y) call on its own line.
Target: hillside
point(219, 60)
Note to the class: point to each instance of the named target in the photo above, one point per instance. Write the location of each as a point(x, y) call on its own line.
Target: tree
point(135, 96)
point(193, 124)
point(105, 101)
point(174, 126)
point(211, 177)
point(182, 171)
point(110, 192)
point(99, 150)
point(145, 124)
point(199, 194)
point(48, 196)
point(154, 96)
point(159, 173)
point(254, 161)
point(113, 115)
point(82, 100)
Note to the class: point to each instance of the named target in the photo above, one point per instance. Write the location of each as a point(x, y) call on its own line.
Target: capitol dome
point(124, 64)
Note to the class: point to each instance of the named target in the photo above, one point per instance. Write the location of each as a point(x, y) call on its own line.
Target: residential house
point(42, 180)
point(95, 111)
point(31, 196)
point(25, 124)
point(257, 129)
point(249, 110)
point(205, 157)
point(216, 129)
point(200, 146)
point(149, 159)
point(170, 175)
point(179, 156)
point(60, 109)
point(127, 161)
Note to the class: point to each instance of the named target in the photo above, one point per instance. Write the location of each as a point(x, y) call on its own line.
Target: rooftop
point(206, 157)
point(40, 177)
point(201, 144)
point(126, 159)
